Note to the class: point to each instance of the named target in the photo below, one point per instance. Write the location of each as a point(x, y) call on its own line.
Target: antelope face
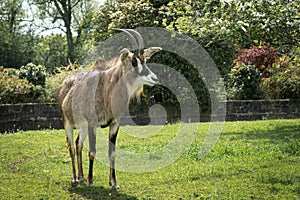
point(139, 56)
point(144, 75)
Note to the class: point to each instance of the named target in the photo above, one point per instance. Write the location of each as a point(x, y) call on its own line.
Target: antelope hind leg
point(69, 133)
point(79, 146)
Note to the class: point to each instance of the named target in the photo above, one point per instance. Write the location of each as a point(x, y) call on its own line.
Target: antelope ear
point(151, 51)
point(125, 53)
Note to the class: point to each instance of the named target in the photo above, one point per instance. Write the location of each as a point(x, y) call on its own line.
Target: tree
point(60, 10)
point(63, 13)
point(122, 14)
point(223, 26)
point(11, 14)
point(15, 41)
point(192, 18)
point(83, 15)
point(51, 51)
point(273, 22)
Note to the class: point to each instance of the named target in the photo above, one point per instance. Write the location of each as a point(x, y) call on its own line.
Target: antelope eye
point(134, 62)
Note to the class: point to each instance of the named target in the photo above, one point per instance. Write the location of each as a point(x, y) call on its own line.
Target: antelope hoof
point(74, 183)
point(82, 179)
point(114, 185)
point(90, 183)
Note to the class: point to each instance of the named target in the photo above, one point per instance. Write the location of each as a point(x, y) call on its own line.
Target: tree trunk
point(68, 20)
point(70, 41)
point(64, 8)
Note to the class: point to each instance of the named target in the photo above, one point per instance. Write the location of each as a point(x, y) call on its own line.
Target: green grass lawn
point(252, 160)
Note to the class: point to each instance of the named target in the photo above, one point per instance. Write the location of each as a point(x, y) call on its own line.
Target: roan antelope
point(99, 97)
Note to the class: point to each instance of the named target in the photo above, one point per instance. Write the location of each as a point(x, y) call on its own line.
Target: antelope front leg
point(92, 152)
point(113, 132)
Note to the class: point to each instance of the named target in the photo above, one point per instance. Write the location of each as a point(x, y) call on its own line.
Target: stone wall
point(29, 117)
point(263, 109)
point(47, 116)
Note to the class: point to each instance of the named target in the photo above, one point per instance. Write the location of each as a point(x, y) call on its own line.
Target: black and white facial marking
point(145, 75)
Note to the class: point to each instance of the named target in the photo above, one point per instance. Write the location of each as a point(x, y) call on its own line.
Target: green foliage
point(54, 81)
point(122, 14)
point(222, 26)
point(189, 72)
point(23, 86)
point(274, 22)
point(14, 90)
point(15, 49)
point(206, 22)
point(20, 38)
point(15, 41)
point(244, 82)
point(29, 84)
point(284, 81)
point(252, 160)
point(35, 74)
point(51, 51)
point(11, 14)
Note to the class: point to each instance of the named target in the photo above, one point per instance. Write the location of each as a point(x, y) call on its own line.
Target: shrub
point(284, 81)
point(54, 81)
point(11, 71)
point(15, 90)
point(244, 82)
point(29, 85)
point(262, 58)
point(164, 95)
point(35, 74)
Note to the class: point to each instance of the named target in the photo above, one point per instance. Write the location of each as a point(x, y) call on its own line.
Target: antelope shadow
point(98, 192)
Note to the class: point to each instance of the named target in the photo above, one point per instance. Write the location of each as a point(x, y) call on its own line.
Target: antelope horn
point(132, 39)
point(138, 37)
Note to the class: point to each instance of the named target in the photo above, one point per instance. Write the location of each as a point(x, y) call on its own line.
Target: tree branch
point(75, 4)
point(58, 7)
